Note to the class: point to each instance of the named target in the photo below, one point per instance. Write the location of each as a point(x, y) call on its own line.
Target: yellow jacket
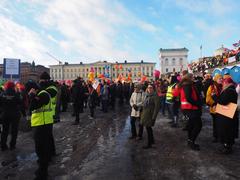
point(209, 99)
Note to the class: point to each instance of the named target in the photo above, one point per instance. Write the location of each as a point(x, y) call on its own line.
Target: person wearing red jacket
point(192, 108)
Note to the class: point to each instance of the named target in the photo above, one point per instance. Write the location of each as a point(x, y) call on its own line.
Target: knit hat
point(9, 85)
point(225, 76)
point(217, 77)
point(45, 76)
point(228, 80)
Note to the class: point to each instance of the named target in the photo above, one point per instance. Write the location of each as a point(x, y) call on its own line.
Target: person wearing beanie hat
point(43, 110)
point(225, 76)
point(228, 127)
point(213, 93)
point(45, 76)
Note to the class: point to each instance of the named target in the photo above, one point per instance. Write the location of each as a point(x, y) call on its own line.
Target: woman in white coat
point(136, 102)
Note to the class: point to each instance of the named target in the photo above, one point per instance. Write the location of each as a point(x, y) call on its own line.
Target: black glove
point(135, 107)
point(214, 97)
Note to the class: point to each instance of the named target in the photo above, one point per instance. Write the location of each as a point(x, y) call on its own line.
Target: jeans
point(133, 127)
point(163, 104)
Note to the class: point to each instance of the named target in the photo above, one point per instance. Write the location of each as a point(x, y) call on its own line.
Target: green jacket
point(150, 110)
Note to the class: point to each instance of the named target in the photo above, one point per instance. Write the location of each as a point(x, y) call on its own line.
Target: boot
point(227, 149)
point(193, 146)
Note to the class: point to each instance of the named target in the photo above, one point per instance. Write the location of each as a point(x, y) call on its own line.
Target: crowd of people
point(213, 62)
point(179, 95)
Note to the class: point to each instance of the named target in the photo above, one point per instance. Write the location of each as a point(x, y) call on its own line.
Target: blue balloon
point(235, 73)
point(226, 70)
point(216, 71)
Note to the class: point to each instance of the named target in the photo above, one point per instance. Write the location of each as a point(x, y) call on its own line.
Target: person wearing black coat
point(43, 136)
point(112, 91)
point(120, 92)
point(227, 127)
point(12, 106)
point(64, 97)
point(78, 95)
point(92, 100)
point(194, 113)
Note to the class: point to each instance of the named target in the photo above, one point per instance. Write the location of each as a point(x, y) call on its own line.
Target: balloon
point(144, 78)
point(116, 66)
point(100, 76)
point(91, 76)
point(139, 74)
point(120, 67)
point(91, 69)
point(156, 73)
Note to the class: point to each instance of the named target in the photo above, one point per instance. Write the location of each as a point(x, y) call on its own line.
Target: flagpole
point(201, 51)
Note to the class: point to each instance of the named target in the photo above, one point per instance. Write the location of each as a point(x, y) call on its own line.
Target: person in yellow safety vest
point(169, 97)
point(52, 90)
point(41, 122)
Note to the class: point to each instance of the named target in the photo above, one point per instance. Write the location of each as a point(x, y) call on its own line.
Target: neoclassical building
point(173, 60)
point(72, 71)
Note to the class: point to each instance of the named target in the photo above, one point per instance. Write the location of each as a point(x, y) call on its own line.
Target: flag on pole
point(201, 47)
point(237, 44)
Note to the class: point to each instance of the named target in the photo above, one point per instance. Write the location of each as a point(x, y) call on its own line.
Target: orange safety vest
point(184, 103)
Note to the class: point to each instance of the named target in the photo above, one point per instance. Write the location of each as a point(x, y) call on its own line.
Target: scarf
point(147, 100)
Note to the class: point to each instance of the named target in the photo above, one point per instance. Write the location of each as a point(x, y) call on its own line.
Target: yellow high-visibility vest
point(169, 95)
point(53, 99)
point(42, 115)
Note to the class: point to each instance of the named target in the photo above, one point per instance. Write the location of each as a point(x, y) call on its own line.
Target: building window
point(166, 69)
point(181, 61)
point(166, 61)
point(174, 70)
point(173, 61)
point(113, 69)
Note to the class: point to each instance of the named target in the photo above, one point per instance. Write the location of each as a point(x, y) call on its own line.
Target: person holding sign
point(227, 126)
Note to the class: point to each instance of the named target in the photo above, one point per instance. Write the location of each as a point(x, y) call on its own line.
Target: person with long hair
point(214, 89)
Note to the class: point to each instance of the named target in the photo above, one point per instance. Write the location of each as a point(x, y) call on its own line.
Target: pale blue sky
point(114, 30)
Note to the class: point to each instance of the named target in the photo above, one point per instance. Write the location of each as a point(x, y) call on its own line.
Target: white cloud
point(86, 29)
point(90, 27)
point(19, 42)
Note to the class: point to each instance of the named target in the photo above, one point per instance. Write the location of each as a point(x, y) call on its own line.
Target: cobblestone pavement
point(100, 149)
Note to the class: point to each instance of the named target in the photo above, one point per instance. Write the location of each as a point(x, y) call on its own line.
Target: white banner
point(231, 59)
point(12, 66)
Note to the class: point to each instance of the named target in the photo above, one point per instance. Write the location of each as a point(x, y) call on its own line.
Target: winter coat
point(105, 93)
point(187, 85)
point(137, 99)
point(228, 95)
point(238, 92)
point(209, 100)
point(92, 98)
point(151, 105)
point(11, 104)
